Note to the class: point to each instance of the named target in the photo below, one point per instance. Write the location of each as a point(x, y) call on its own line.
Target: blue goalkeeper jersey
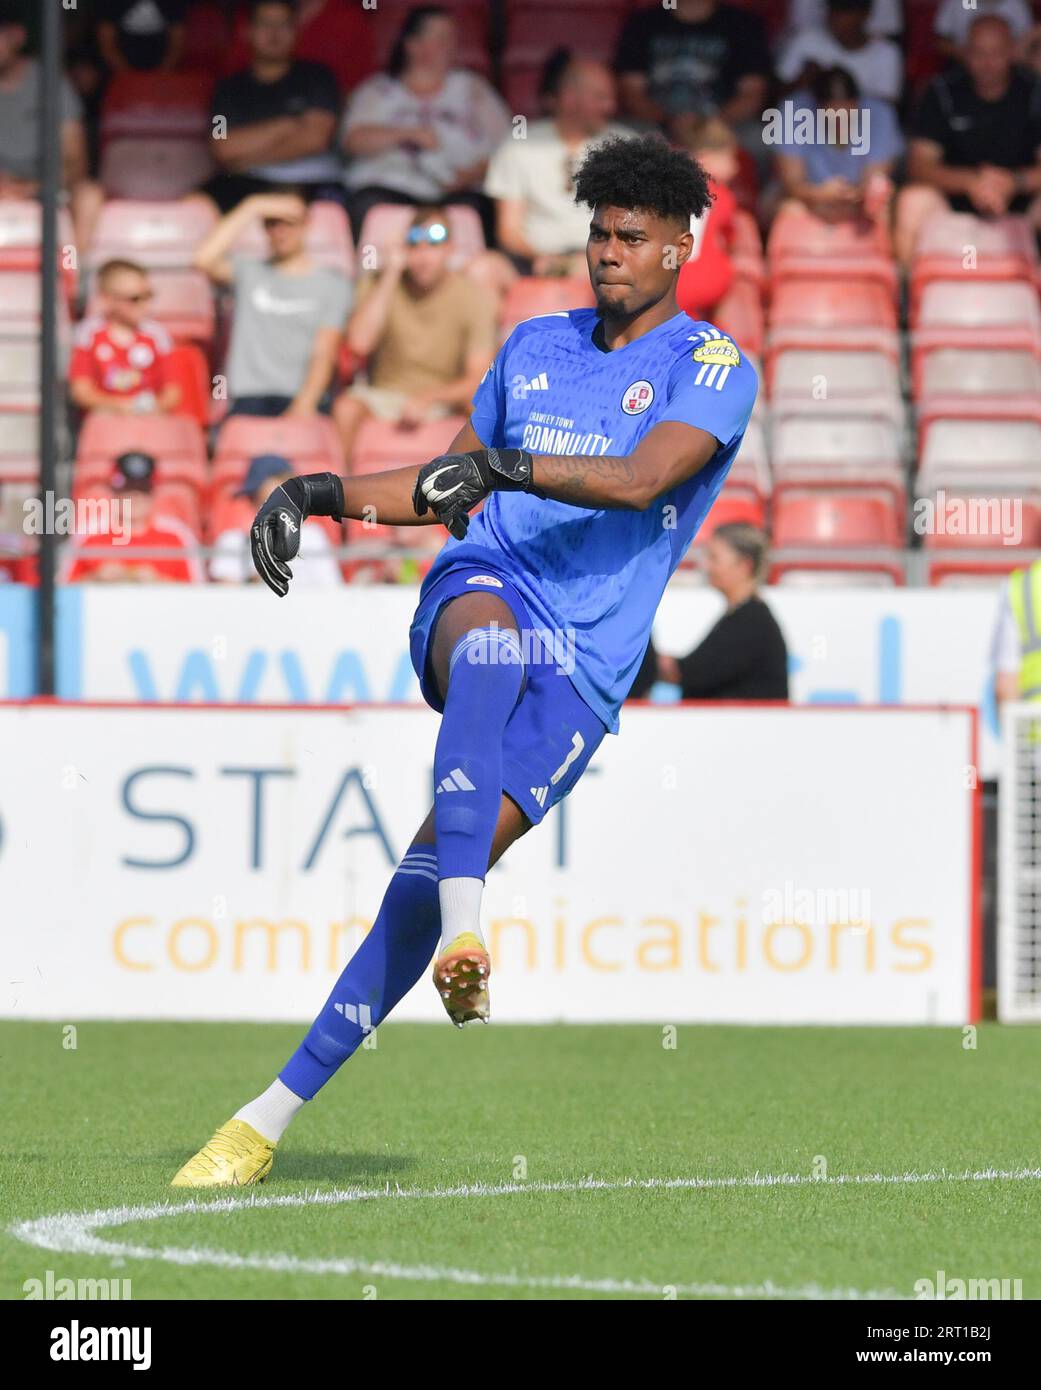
point(594, 578)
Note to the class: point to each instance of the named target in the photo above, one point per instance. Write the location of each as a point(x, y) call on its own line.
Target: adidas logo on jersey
point(715, 355)
point(538, 383)
point(456, 781)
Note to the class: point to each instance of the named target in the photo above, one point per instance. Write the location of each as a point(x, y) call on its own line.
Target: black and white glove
point(275, 535)
point(452, 485)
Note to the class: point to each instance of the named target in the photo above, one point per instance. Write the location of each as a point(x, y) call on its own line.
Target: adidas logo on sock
point(456, 781)
point(539, 383)
point(360, 1014)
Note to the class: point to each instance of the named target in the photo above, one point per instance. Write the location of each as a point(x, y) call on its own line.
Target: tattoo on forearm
point(579, 473)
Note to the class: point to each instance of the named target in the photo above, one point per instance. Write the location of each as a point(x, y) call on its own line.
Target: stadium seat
point(227, 512)
point(975, 315)
point(882, 571)
point(19, 447)
point(381, 445)
point(160, 236)
point(750, 470)
point(20, 238)
point(805, 518)
point(471, 18)
point(840, 383)
point(176, 443)
point(531, 296)
point(838, 451)
point(954, 245)
point(19, 304)
point(19, 374)
point(155, 168)
point(964, 453)
point(801, 246)
point(329, 240)
point(385, 225)
point(977, 520)
point(740, 313)
point(730, 508)
point(973, 569)
point(952, 372)
point(825, 304)
point(311, 444)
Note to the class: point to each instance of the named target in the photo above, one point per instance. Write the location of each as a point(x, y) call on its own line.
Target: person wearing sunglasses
point(427, 333)
point(121, 357)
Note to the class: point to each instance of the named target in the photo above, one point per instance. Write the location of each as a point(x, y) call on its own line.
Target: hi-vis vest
point(1024, 592)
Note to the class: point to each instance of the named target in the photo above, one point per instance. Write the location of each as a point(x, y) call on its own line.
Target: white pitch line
point(74, 1232)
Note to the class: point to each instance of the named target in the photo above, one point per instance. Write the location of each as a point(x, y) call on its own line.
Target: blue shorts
point(552, 733)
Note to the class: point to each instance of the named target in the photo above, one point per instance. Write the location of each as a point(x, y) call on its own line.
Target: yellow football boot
point(236, 1156)
point(461, 979)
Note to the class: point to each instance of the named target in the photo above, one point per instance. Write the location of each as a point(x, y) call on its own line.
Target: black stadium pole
point(50, 185)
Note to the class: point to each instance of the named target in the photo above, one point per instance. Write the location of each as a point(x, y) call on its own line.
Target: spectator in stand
point(885, 20)
point(422, 131)
point(428, 333)
point(19, 130)
point(954, 20)
point(337, 33)
point(289, 313)
point(315, 565)
point(141, 35)
point(702, 57)
point(120, 360)
point(275, 121)
point(107, 557)
point(975, 140)
point(744, 656)
point(709, 272)
point(847, 176)
point(538, 224)
point(876, 64)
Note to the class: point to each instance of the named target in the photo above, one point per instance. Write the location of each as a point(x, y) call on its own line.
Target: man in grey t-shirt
point(20, 130)
point(289, 313)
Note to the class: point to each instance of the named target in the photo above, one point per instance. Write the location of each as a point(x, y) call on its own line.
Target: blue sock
point(484, 681)
point(382, 970)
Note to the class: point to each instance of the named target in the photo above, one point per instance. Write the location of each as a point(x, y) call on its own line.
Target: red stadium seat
point(840, 383)
point(175, 442)
point(20, 236)
point(329, 240)
point(804, 518)
point(311, 444)
point(750, 470)
point(740, 313)
point(19, 374)
point(975, 315)
point(533, 296)
point(385, 225)
point(824, 304)
point(227, 512)
point(961, 453)
point(952, 372)
point(883, 570)
point(838, 452)
point(959, 244)
point(381, 445)
point(976, 521)
point(19, 447)
point(802, 246)
point(730, 508)
point(19, 304)
point(157, 235)
point(973, 569)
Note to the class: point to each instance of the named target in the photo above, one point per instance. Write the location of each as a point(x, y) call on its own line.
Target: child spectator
point(108, 556)
point(121, 357)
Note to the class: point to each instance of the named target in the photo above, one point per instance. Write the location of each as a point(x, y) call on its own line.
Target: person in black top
point(275, 121)
point(744, 656)
point(975, 138)
point(700, 57)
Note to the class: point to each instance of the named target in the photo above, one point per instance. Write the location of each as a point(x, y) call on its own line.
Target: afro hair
point(643, 172)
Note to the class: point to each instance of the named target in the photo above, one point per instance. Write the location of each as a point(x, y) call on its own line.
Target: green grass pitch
point(430, 1110)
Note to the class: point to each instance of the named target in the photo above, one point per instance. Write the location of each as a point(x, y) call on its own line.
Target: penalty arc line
point(75, 1232)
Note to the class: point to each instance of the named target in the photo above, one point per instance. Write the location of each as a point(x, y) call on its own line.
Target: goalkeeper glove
point(453, 484)
point(275, 534)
